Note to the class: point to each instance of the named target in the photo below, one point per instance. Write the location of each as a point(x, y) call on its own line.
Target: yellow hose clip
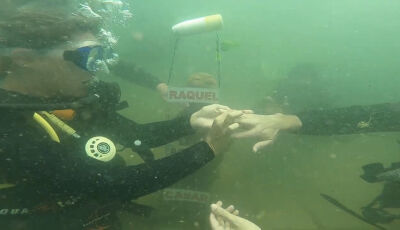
point(4, 186)
point(47, 127)
point(60, 124)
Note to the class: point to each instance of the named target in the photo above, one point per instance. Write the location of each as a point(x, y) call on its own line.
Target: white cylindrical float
point(198, 25)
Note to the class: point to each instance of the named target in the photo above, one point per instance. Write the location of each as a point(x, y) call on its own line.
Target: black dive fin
point(371, 171)
point(349, 211)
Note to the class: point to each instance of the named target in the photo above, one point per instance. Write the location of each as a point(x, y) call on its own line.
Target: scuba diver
point(64, 172)
point(59, 127)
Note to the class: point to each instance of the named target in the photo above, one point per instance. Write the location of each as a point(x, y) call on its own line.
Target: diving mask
point(92, 58)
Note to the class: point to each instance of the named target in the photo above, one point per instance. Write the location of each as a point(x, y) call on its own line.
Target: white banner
point(196, 95)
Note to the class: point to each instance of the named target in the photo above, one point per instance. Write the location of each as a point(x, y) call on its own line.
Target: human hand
point(162, 89)
point(203, 119)
point(218, 138)
point(264, 128)
point(228, 219)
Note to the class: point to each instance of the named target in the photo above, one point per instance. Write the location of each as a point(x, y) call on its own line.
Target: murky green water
point(350, 50)
point(304, 54)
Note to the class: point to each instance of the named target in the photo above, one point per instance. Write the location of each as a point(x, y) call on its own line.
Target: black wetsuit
point(55, 181)
point(350, 120)
point(131, 72)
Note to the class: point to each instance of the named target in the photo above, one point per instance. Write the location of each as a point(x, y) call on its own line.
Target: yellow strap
point(47, 127)
point(60, 124)
point(3, 186)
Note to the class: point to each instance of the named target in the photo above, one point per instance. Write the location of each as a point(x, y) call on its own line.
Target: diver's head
point(202, 80)
point(33, 73)
point(42, 72)
point(34, 28)
point(36, 40)
point(88, 53)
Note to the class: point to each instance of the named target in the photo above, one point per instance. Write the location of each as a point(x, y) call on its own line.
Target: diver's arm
point(115, 181)
point(160, 133)
point(147, 178)
point(130, 72)
point(354, 119)
point(150, 135)
point(83, 176)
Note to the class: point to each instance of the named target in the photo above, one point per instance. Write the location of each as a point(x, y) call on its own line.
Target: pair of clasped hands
point(220, 124)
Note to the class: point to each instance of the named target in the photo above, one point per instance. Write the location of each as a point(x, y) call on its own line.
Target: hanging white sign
point(194, 95)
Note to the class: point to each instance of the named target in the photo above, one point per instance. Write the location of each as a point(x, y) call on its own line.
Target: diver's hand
point(264, 128)
point(218, 138)
point(203, 119)
point(162, 89)
point(228, 219)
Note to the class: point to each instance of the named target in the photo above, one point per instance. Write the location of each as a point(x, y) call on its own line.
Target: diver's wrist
point(212, 147)
point(288, 122)
point(162, 89)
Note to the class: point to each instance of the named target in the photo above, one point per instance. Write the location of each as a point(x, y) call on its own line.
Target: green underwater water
point(319, 54)
point(285, 55)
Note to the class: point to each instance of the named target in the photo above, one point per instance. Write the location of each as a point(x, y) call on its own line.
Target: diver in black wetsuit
point(350, 120)
point(44, 172)
point(58, 178)
point(65, 174)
